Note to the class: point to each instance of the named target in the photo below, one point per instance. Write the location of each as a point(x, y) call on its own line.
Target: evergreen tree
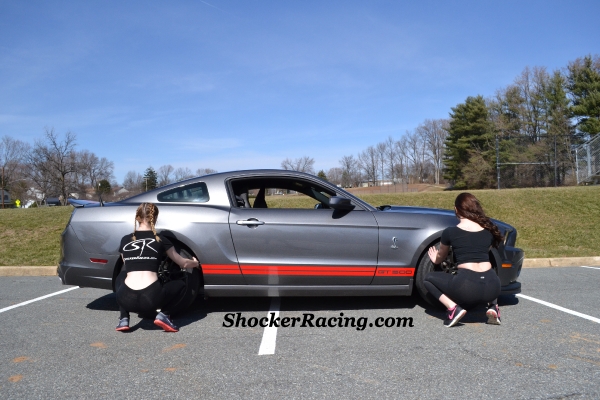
point(584, 87)
point(470, 132)
point(321, 174)
point(104, 187)
point(150, 180)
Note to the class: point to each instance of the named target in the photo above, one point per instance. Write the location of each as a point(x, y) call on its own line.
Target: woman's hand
point(184, 263)
point(437, 256)
point(433, 254)
point(193, 263)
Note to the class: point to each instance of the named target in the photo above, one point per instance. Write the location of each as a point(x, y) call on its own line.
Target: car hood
point(415, 210)
point(503, 226)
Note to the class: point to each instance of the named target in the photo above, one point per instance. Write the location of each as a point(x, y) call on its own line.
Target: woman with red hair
point(475, 281)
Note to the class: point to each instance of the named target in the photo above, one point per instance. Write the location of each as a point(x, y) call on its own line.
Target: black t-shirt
point(468, 246)
point(144, 253)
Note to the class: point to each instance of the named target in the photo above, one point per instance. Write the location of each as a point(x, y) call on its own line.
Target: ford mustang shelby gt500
point(338, 245)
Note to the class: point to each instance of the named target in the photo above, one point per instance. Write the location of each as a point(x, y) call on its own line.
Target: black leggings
point(148, 299)
point(467, 288)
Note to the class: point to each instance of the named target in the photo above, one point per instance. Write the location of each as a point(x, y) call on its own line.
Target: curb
point(28, 271)
point(527, 263)
point(561, 262)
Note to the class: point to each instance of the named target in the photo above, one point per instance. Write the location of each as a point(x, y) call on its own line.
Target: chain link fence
point(588, 161)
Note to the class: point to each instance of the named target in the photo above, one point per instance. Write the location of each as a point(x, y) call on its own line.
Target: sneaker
point(123, 325)
point(454, 316)
point(164, 321)
point(493, 314)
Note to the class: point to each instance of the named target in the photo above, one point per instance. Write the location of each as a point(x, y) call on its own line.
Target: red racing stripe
point(308, 270)
point(221, 269)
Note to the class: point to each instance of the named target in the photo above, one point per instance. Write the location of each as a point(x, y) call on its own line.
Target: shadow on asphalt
point(474, 315)
point(202, 307)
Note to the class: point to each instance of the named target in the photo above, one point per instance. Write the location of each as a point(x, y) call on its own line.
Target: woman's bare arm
point(182, 262)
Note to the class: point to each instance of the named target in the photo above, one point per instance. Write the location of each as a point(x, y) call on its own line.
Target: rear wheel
point(169, 271)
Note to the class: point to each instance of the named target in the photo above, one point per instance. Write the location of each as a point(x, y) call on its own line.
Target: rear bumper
point(76, 266)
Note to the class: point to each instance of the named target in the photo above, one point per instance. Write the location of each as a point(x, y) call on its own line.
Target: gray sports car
point(338, 245)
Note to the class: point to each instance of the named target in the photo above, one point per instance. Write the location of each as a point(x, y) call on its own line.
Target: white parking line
point(267, 345)
point(37, 299)
point(578, 314)
point(590, 267)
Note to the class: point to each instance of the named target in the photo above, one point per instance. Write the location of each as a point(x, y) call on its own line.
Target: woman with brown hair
point(137, 286)
point(475, 282)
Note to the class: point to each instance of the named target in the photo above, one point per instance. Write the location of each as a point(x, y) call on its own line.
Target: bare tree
point(12, 153)
point(400, 167)
point(368, 162)
point(334, 175)
point(415, 154)
point(52, 163)
point(93, 169)
point(164, 174)
point(381, 153)
point(434, 133)
point(389, 158)
point(301, 164)
point(133, 182)
point(350, 171)
point(182, 173)
point(205, 171)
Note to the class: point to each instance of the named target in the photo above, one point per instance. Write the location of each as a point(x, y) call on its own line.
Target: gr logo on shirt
point(140, 245)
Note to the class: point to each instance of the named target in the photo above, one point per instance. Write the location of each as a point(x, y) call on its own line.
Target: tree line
point(522, 136)
point(416, 157)
point(135, 182)
point(51, 167)
point(525, 135)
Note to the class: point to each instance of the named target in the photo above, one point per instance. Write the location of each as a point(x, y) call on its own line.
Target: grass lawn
point(551, 222)
point(31, 236)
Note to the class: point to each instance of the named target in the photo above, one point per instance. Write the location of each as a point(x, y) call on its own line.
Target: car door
point(285, 246)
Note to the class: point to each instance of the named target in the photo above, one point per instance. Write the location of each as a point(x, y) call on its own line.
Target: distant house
point(5, 198)
point(120, 191)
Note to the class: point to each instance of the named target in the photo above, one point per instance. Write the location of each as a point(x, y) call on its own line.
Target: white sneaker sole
point(492, 317)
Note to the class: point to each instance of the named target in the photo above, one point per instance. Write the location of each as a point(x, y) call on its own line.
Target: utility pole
point(3, 187)
point(555, 166)
point(497, 161)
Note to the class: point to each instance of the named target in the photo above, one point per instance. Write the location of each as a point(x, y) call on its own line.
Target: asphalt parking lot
point(65, 346)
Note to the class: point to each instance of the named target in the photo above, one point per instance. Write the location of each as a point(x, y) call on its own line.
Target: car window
point(192, 193)
point(280, 193)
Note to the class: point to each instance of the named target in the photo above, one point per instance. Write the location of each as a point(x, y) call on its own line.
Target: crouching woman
point(137, 287)
point(476, 282)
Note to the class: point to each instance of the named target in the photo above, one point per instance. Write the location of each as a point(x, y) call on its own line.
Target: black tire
point(169, 271)
point(425, 267)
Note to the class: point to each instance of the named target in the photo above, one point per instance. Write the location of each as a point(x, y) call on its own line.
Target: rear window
point(193, 193)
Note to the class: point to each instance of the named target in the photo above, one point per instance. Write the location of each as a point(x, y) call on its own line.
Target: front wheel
point(425, 267)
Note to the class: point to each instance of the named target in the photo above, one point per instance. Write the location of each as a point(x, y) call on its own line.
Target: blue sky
point(244, 84)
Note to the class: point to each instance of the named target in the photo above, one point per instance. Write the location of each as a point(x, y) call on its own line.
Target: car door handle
point(249, 222)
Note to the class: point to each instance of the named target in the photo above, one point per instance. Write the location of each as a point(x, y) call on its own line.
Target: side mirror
point(340, 203)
